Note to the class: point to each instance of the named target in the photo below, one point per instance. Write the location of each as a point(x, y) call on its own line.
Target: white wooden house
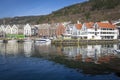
point(2, 30)
point(89, 30)
point(101, 30)
point(105, 30)
point(27, 30)
point(68, 31)
point(2, 27)
point(14, 29)
point(77, 30)
point(8, 29)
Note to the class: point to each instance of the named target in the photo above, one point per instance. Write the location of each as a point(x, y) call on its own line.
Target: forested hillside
point(92, 10)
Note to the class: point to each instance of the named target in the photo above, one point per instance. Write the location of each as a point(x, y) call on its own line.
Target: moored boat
point(42, 40)
point(1, 41)
point(117, 51)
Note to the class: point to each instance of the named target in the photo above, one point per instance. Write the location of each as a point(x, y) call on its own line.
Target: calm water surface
point(34, 61)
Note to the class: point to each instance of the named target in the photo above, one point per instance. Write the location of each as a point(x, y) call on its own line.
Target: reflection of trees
point(77, 58)
point(86, 67)
point(89, 67)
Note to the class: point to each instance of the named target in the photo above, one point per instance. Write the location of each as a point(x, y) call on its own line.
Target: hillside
point(92, 10)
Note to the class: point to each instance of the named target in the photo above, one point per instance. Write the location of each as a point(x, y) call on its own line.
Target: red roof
point(106, 25)
point(89, 24)
point(78, 26)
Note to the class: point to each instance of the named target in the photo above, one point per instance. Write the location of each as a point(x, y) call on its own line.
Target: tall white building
point(97, 31)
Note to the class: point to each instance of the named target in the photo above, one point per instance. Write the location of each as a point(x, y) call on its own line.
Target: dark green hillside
point(92, 10)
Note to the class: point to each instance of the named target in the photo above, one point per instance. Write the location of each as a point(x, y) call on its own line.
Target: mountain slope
point(92, 10)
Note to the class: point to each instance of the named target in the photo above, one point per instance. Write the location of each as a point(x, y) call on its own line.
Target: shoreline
point(73, 42)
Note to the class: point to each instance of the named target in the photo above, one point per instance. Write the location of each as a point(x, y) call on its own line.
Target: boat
point(1, 41)
point(43, 40)
point(117, 51)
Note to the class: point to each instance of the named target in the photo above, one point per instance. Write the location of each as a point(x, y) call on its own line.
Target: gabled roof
point(89, 24)
point(61, 26)
point(14, 26)
point(78, 26)
point(106, 25)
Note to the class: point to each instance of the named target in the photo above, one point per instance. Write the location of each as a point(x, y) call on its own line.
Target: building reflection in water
point(46, 51)
point(86, 53)
point(9, 48)
point(28, 48)
point(91, 53)
point(15, 49)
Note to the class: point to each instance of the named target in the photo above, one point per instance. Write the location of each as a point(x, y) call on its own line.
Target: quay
point(69, 41)
point(17, 40)
point(82, 42)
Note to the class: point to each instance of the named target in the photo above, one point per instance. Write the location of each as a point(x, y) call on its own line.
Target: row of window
point(107, 37)
point(106, 29)
point(101, 32)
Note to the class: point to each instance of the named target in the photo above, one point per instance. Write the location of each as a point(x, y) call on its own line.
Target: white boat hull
point(43, 41)
point(1, 41)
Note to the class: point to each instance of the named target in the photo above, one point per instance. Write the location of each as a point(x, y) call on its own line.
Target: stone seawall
point(82, 42)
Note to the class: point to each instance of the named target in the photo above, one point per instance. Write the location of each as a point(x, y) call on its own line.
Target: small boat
point(42, 40)
point(1, 41)
point(117, 51)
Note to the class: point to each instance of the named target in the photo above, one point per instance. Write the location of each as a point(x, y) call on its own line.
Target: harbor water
point(37, 61)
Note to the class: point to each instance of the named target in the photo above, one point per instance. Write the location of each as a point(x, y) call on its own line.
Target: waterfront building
point(60, 30)
point(8, 29)
point(68, 31)
point(27, 30)
point(77, 29)
point(43, 30)
point(87, 28)
point(2, 31)
point(105, 30)
point(14, 29)
point(52, 31)
point(34, 31)
point(93, 31)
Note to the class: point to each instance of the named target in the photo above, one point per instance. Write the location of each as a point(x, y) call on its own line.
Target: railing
point(116, 22)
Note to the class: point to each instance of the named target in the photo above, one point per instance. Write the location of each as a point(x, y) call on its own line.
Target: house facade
point(43, 30)
point(60, 30)
point(2, 31)
point(27, 30)
point(106, 30)
point(34, 31)
point(8, 29)
point(14, 29)
point(77, 31)
point(90, 30)
point(68, 31)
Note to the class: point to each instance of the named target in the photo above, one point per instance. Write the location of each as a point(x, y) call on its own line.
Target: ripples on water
point(30, 61)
